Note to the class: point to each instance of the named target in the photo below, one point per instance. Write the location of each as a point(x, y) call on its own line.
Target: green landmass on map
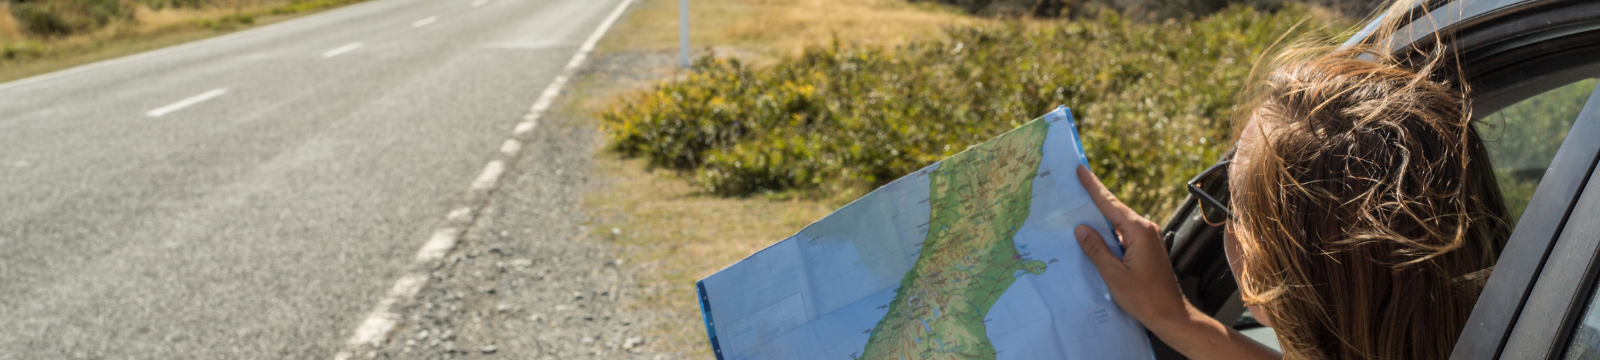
point(980, 198)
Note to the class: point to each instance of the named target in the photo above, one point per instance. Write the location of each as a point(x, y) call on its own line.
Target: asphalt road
point(253, 195)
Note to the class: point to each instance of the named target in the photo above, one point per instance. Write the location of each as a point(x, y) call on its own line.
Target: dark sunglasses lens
point(1214, 213)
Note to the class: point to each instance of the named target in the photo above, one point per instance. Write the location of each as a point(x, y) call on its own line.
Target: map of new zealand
point(969, 258)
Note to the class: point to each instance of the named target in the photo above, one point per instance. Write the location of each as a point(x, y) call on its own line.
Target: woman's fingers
point(1141, 281)
point(1119, 214)
point(1095, 248)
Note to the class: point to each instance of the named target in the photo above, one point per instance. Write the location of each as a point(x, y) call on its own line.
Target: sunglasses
point(1210, 188)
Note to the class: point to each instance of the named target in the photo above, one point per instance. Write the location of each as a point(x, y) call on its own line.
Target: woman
point(1361, 217)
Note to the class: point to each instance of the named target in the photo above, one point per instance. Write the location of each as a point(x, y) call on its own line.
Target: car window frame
point(1511, 50)
point(1561, 291)
point(1495, 40)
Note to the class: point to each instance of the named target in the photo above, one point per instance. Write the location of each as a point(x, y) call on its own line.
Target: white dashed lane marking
point(158, 112)
point(442, 241)
point(377, 325)
point(341, 50)
point(424, 21)
point(490, 175)
point(510, 147)
point(381, 320)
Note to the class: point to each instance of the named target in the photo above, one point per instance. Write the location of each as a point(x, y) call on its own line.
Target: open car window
point(1523, 139)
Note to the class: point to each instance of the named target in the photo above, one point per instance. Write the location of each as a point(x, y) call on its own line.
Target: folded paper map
point(970, 258)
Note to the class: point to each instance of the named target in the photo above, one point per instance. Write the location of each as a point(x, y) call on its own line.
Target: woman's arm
point(1143, 284)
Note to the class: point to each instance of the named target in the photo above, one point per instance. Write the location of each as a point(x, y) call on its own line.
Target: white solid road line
point(479, 3)
point(374, 330)
point(424, 22)
point(341, 50)
point(158, 112)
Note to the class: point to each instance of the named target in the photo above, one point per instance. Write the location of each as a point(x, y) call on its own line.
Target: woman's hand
point(1143, 284)
point(1142, 281)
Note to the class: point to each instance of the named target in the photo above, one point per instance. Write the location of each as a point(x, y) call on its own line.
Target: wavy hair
point(1367, 213)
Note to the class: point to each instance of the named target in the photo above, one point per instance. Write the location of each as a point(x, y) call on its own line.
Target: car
point(1532, 67)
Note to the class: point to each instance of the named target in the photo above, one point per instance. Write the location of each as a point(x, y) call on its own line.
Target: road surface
point(253, 195)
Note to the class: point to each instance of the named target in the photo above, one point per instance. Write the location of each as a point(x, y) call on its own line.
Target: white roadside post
point(683, 32)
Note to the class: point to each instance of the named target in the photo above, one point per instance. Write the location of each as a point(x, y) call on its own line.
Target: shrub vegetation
point(39, 36)
point(64, 17)
point(1153, 102)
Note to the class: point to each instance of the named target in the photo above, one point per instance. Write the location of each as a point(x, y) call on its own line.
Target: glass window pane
point(1585, 343)
point(1523, 139)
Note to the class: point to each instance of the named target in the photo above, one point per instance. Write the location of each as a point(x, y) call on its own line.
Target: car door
point(1541, 275)
point(1531, 65)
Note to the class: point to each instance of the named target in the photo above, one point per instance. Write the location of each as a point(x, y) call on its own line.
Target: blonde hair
point(1368, 213)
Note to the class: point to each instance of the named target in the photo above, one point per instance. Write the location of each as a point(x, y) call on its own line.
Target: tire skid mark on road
point(380, 322)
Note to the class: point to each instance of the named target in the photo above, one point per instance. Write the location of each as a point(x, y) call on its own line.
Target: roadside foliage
point(39, 30)
point(1154, 102)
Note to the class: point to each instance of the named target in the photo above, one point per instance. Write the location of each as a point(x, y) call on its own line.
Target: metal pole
point(683, 32)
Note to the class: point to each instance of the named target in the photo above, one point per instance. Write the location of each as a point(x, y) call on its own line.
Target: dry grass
point(9, 30)
point(674, 236)
point(764, 29)
point(672, 233)
point(149, 30)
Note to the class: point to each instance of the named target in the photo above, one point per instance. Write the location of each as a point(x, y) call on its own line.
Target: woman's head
point(1365, 207)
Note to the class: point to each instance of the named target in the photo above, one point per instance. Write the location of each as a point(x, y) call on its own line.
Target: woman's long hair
point(1367, 213)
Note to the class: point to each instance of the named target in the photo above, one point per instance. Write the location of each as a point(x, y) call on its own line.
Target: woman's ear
point(1235, 254)
point(1260, 314)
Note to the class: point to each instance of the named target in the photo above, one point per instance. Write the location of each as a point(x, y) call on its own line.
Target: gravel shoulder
point(530, 279)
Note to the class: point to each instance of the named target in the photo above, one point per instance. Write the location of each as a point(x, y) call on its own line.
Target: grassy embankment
point(40, 36)
point(671, 232)
point(728, 158)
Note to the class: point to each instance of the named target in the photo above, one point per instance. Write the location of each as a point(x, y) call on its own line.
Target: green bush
point(162, 4)
point(226, 21)
point(296, 6)
point(64, 17)
point(21, 50)
point(1153, 102)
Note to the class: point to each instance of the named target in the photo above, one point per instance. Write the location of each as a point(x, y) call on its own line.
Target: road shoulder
point(530, 279)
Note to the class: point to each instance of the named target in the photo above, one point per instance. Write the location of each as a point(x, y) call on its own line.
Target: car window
point(1523, 139)
point(1585, 342)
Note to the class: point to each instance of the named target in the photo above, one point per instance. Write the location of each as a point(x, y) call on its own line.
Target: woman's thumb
point(1095, 248)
